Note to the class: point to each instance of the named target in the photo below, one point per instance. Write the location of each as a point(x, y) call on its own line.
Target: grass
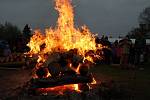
point(137, 81)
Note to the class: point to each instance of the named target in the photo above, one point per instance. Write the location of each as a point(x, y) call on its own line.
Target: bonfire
point(64, 53)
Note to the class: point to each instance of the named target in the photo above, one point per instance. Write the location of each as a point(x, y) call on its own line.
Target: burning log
point(60, 62)
point(65, 52)
point(55, 69)
point(84, 87)
point(42, 72)
point(63, 80)
point(84, 69)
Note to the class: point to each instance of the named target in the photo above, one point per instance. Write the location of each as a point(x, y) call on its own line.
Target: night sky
point(101, 16)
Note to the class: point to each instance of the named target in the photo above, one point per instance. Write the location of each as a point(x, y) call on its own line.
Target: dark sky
point(101, 16)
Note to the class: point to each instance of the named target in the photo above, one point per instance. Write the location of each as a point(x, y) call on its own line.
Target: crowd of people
point(124, 52)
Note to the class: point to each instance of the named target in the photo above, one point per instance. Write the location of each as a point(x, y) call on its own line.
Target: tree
point(144, 24)
point(134, 32)
point(144, 16)
point(27, 31)
point(9, 32)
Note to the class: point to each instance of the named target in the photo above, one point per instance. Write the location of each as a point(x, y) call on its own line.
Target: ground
point(137, 81)
point(11, 79)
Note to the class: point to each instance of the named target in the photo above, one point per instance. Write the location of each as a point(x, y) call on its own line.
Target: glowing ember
point(76, 87)
point(63, 38)
point(94, 81)
point(60, 89)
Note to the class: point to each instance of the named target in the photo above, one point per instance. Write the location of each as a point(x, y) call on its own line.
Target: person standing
point(107, 51)
point(125, 44)
point(132, 57)
point(115, 57)
point(140, 44)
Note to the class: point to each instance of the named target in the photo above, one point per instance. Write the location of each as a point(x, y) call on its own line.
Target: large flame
point(63, 37)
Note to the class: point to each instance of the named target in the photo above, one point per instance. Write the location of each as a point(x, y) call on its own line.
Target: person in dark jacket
point(107, 51)
point(140, 44)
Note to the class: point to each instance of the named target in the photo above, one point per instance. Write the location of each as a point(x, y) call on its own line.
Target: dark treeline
point(13, 36)
point(9, 31)
point(144, 24)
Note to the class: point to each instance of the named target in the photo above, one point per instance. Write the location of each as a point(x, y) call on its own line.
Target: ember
point(64, 53)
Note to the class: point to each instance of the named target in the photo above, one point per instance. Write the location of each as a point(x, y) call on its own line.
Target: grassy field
point(137, 81)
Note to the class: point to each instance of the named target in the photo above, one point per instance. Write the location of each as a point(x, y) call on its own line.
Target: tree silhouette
point(144, 16)
point(144, 24)
point(9, 32)
point(27, 31)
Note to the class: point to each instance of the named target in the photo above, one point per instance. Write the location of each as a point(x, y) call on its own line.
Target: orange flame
point(63, 37)
point(94, 81)
point(60, 89)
